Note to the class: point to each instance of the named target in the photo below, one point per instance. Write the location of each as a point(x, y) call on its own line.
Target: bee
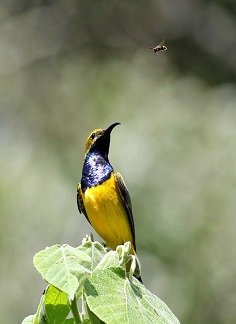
point(159, 48)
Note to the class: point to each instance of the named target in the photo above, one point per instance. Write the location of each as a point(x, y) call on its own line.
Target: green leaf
point(66, 267)
point(109, 260)
point(110, 296)
point(56, 306)
point(114, 299)
point(96, 252)
point(93, 319)
point(63, 266)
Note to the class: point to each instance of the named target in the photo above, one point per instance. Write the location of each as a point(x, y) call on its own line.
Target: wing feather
point(126, 202)
point(80, 202)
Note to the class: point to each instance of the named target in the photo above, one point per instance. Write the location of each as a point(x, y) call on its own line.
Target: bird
point(102, 195)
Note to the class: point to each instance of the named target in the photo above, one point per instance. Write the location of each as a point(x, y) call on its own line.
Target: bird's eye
point(92, 136)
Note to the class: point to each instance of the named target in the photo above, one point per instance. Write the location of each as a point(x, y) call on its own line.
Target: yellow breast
point(106, 213)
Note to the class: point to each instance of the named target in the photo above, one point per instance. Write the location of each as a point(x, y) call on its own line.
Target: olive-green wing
point(126, 202)
point(80, 202)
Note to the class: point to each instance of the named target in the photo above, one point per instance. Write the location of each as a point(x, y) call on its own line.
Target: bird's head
point(99, 140)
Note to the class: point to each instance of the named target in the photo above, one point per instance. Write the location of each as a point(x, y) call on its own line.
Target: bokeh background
point(67, 67)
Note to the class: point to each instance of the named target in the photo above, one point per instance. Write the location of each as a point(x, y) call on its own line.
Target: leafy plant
point(96, 280)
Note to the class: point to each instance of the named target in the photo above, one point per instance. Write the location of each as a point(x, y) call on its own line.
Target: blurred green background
point(67, 67)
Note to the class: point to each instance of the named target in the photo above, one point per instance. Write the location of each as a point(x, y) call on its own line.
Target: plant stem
point(84, 307)
point(75, 312)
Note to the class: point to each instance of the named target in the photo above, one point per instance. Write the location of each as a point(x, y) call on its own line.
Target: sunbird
point(102, 195)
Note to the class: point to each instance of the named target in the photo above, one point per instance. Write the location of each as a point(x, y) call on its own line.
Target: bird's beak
point(109, 129)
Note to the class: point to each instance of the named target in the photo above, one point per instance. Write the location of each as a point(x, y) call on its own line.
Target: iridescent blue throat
point(96, 170)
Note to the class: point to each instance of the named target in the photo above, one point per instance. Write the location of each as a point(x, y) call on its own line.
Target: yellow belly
point(104, 208)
